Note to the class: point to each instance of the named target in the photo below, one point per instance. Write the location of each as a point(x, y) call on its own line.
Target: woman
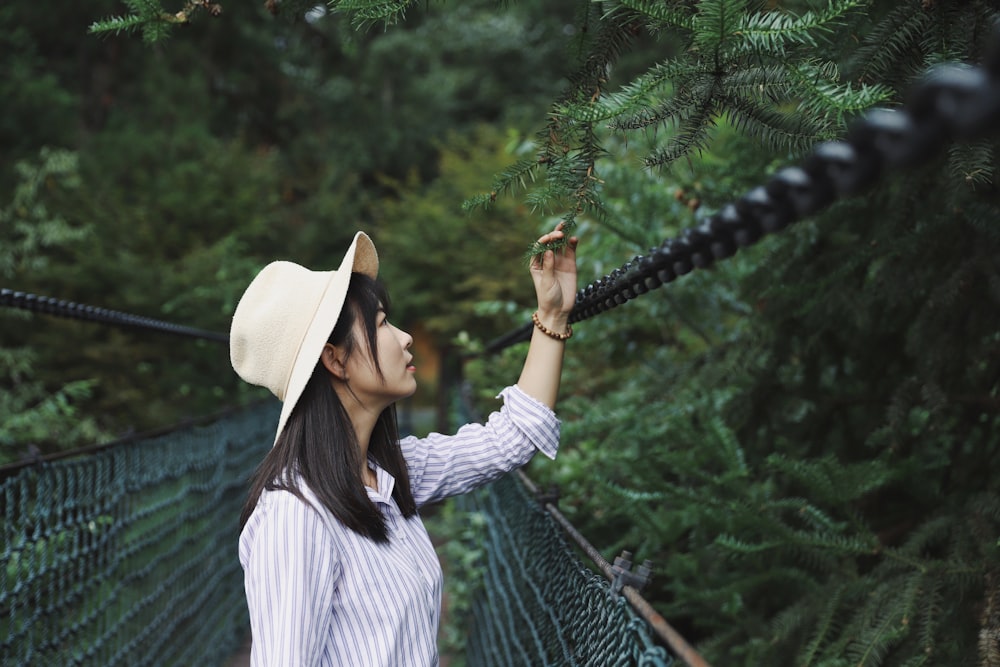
point(338, 567)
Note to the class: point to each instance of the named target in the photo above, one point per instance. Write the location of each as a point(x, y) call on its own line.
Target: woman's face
point(398, 373)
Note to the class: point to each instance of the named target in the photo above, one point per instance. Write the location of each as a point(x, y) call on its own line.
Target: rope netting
point(126, 555)
point(538, 604)
point(535, 601)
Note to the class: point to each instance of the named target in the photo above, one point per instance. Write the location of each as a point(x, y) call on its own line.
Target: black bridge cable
point(50, 306)
point(951, 102)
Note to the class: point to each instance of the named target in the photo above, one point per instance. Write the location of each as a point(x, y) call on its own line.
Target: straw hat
point(286, 316)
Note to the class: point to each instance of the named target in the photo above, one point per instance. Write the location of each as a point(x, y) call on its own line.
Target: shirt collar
point(386, 483)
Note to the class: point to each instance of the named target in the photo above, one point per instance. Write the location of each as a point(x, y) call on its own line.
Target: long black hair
point(318, 444)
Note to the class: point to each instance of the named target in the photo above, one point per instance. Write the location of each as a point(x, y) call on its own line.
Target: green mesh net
point(539, 605)
point(128, 556)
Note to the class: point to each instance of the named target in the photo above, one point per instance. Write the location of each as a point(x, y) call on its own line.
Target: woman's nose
point(405, 338)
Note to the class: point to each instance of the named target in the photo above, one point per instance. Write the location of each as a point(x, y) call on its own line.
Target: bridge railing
point(126, 554)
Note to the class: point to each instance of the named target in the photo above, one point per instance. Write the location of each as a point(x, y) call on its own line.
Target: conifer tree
point(36, 417)
point(801, 437)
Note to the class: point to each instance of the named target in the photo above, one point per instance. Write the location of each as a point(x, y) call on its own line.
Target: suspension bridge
point(124, 553)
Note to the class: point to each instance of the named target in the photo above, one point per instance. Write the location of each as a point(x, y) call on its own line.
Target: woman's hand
point(554, 275)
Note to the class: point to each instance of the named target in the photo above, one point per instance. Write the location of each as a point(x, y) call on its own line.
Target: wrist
point(556, 327)
point(552, 317)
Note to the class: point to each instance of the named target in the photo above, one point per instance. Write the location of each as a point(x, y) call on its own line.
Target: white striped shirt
point(320, 594)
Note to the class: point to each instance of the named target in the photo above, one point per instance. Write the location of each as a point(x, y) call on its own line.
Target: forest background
point(801, 438)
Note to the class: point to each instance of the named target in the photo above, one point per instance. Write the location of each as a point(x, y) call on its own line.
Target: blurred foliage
point(434, 251)
point(245, 138)
point(457, 537)
point(32, 415)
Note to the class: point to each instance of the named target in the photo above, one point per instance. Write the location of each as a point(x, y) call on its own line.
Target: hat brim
point(360, 257)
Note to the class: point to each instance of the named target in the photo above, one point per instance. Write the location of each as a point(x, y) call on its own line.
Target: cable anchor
point(623, 575)
point(548, 496)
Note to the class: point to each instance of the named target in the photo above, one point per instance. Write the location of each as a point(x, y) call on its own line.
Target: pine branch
point(883, 48)
point(765, 82)
point(793, 619)
point(150, 17)
point(715, 24)
point(802, 510)
point(588, 82)
point(830, 481)
point(368, 13)
point(822, 96)
point(676, 109)
point(692, 135)
point(516, 175)
point(656, 78)
point(590, 111)
point(661, 16)
point(634, 495)
point(117, 25)
point(930, 615)
point(773, 31)
point(146, 8)
point(479, 202)
point(944, 41)
point(570, 148)
point(774, 128)
point(885, 623)
point(824, 627)
point(635, 97)
point(548, 198)
point(976, 162)
point(742, 547)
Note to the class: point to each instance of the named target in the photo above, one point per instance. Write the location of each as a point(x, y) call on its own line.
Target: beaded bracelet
point(548, 332)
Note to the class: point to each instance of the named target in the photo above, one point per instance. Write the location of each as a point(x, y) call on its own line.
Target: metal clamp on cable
point(548, 496)
point(624, 576)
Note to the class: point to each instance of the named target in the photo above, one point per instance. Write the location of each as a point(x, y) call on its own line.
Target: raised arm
point(554, 275)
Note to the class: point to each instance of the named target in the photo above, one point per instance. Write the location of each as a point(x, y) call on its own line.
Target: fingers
point(554, 235)
point(548, 259)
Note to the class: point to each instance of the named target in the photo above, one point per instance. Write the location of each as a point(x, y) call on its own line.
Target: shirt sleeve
point(290, 576)
point(446, 465)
